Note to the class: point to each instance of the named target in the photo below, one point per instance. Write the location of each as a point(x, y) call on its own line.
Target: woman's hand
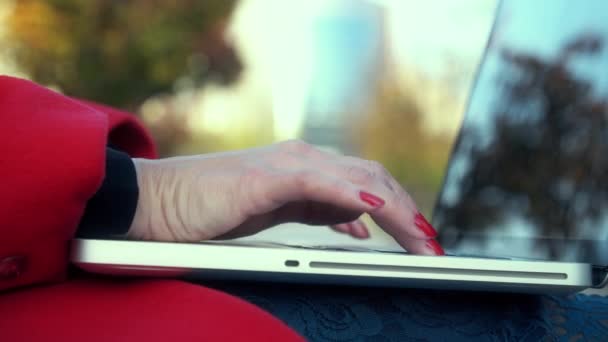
point(240, 193)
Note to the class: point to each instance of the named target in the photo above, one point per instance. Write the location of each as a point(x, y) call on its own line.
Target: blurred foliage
point(119, 52)
point(395, 135)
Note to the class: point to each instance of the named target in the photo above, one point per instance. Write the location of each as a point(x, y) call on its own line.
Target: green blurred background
point(217, 75)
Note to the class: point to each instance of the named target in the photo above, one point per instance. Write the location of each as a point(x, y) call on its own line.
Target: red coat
point(52, 158)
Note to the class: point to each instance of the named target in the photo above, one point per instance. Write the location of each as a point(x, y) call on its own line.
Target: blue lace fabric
point(325, 313)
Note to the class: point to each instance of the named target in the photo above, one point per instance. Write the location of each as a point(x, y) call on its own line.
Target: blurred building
point(348, 57)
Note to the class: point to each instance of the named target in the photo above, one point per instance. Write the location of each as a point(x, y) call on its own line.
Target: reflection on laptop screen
point(529, 172)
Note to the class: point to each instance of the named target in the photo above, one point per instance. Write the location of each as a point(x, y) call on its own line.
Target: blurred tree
point(547, 160)
point(121, 51)
point(394, 134)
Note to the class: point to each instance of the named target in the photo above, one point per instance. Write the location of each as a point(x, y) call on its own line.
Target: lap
point(330, 313)
point(133, 310)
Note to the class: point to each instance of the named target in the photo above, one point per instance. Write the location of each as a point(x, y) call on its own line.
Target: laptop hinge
point(600, 276)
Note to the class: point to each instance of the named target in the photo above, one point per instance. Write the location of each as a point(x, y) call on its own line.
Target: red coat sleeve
point(52, 159)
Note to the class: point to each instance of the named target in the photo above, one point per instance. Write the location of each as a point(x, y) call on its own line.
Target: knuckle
point(251, 190)
point(394, 201)
point(340, 189)
point(297, 146)
point(293, 145)
point(376, 167)
point(304, 179)
point(360, 175)
point(253, 174)
point(312, 183)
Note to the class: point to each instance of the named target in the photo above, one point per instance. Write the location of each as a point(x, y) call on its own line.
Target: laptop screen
point(528, 175)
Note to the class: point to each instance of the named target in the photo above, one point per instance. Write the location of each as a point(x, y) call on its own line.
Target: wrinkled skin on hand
point(239, 193)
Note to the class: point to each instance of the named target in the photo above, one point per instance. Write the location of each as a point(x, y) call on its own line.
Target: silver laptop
point(524, 204)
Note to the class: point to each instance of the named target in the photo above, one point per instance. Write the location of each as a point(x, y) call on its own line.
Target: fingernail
point(421, 222)
point(370, 199)
point(435, 247)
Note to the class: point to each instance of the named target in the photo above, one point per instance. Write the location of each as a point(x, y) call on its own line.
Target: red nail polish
point(435, 247)
point(424, 225)
point(370, 199)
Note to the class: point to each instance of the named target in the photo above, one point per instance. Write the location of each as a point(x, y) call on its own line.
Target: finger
point(356, 229)
point(405, 226)
point(394, 215)
point(343, 228)
point(359, 230)
point(422, 247)
point(399, 216)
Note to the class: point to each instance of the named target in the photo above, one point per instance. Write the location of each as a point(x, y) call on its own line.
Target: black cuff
point(111, 210)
